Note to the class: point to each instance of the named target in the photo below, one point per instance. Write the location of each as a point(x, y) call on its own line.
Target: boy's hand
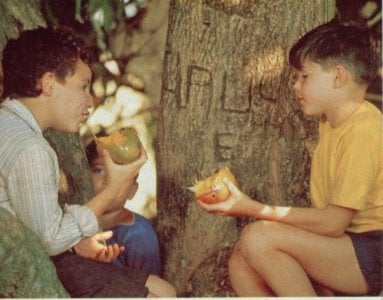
point(133, 190)
point(109, 253)
point(95, 248)
point(228, 207)
point(121, 178)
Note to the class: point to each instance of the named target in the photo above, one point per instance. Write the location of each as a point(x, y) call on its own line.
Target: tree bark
point(16, 16)
point(76, 183)
point(25, 268)
point(227, 101)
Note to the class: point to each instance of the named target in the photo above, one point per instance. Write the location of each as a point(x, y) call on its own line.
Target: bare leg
point(285, 256)
point(244, 280)
point(159, 287)
point(322, 290)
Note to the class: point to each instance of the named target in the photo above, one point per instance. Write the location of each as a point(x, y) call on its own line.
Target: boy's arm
point(34, 198)
point(116, 217)
point(121, 180)
point(330, 221)
point(123, 215)
point(107, 220)
point(33, 192)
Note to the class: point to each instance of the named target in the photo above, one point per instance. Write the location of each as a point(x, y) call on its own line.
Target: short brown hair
point(334, 43)
point(35, 52)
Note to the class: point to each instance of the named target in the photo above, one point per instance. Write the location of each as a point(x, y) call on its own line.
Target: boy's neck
point(348, 101)
point(38, 108)
point(343, 113)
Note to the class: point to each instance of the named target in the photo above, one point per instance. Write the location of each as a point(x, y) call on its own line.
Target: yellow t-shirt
point(347, 168)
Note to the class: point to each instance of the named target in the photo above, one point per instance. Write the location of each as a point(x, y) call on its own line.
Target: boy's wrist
point(103, 202)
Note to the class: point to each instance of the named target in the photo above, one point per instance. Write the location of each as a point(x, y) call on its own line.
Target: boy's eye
point(99, 171)
point(300, 76)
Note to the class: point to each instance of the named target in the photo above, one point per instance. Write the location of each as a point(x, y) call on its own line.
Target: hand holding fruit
point(122, 178)
point(220, 194)
point(124, 157)
point(212, 189)
point(224, 207)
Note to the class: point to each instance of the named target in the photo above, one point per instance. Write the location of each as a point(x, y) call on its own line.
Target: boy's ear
point(341, 76)
point(46, 83)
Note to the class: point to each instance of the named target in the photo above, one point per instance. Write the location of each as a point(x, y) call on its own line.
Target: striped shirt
point(29, 182)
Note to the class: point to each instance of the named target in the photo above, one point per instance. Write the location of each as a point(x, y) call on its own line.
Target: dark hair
point(333, 43)
point(35, 52)
point(91, 151)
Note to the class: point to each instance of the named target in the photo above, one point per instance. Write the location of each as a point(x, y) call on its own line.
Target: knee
point(168, 290)
point(159, 287)
point(257, 238)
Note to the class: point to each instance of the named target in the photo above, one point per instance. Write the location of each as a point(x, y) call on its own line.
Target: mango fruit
point(212, 189)
point(124, 145)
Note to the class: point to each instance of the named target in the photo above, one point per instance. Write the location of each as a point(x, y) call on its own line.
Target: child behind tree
point(130, 229)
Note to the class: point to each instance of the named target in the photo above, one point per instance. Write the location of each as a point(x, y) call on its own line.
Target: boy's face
point(99, 174)
point(314, 87)
point(71, 99)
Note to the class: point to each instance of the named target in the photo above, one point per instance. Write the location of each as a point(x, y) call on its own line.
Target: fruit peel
point(124, 145)
point(212, 189)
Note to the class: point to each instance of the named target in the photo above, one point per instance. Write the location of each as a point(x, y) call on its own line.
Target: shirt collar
point(22, 112)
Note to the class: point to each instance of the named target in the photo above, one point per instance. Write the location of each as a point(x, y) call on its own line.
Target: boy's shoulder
point(17, 136)
point(367, 122)
point(15, 129)
point(368, 115)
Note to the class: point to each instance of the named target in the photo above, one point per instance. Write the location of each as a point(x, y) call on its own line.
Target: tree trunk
point(76, 183)
point(25, 268)
point(227, 101)
point(18, 15)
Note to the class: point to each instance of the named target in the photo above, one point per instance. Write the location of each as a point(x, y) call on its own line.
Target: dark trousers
point(83, 277)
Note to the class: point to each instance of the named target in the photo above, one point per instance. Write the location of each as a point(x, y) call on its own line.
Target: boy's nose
point(89, 101)
point(296, 85)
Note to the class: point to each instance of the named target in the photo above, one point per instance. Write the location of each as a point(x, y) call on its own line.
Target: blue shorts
point(142, 251)
point(369, 251)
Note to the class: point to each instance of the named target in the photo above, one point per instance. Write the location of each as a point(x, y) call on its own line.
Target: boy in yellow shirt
point(338, 242)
